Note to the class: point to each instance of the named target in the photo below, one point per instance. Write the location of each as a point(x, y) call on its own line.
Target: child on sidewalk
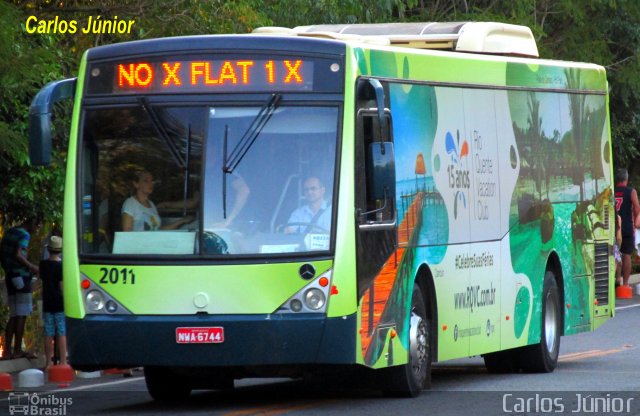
point(53, 307)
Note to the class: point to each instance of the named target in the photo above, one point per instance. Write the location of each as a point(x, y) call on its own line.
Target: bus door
point(376, 235)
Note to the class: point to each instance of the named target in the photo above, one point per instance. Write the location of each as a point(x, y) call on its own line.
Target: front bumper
point(100, 341)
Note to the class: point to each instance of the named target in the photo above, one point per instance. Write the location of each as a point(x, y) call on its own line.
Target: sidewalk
point(19, 364)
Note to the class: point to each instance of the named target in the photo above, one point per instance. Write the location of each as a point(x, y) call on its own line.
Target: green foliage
point(195, 17)
point(26, 64)
point(290, 13)
point(605, 32)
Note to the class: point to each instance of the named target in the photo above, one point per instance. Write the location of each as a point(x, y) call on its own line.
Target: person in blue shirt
point(315, 215)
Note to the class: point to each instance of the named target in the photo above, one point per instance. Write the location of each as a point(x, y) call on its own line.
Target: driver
point(316, 213)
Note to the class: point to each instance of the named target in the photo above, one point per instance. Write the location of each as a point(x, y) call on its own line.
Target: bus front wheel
point(543, 356)
point(409, 379)
point(166, 386)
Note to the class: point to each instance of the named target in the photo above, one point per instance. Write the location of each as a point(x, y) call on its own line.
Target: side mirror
point(382, 165)
point(40, 118)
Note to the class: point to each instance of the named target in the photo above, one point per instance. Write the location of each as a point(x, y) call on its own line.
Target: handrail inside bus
point(281, 200)
point(40, 118)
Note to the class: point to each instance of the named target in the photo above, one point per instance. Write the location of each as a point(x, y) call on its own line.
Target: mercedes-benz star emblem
point(307, 271)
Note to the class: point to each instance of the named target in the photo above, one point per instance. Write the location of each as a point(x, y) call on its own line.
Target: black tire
point(213, 378)
point(166, 386)
point(543, 356)
point(409, 379)
point(501, 362)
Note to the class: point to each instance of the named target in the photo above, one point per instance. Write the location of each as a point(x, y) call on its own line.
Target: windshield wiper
point(250, 136)
point(162, 132)
point(224, 174)
point(187, 173)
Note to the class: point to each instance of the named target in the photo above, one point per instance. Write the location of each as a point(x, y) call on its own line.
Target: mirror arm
point(379, 90)
point(382, 208)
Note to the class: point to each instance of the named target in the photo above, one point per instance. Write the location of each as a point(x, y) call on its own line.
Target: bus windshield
point(208, 180)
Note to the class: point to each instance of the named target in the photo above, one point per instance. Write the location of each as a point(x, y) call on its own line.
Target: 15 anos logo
point(458, 169)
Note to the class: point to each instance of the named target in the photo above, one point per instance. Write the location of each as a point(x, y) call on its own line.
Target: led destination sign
point(217, 75)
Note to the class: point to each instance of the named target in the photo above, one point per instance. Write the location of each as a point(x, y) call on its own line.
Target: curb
point(19, 364)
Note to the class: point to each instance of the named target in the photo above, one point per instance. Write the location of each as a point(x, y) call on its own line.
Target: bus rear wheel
point(166, 386)
point(543, 356)
point(409, 379)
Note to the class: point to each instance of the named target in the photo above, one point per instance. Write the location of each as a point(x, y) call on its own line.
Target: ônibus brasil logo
point(458, 173)
point(23, 403)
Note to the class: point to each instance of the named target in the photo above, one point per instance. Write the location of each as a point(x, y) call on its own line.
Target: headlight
point(314, 299)
point(295, 305)
point(95, 301)
point(311, 298)
point(111, 306)
point(98, 301)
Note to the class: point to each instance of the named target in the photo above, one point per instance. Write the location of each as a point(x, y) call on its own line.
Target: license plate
point(200, 335)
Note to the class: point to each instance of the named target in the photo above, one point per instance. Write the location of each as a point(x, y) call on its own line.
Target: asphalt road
point(597, 373)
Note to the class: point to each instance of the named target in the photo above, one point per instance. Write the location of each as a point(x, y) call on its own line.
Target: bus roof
point(220, 43)
point(474, 37)
point(479, 49)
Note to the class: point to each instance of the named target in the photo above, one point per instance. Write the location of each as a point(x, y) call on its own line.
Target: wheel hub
point(419, 344)
point(550, 329)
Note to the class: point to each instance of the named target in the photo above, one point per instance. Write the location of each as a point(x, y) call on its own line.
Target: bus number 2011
point(114, 276)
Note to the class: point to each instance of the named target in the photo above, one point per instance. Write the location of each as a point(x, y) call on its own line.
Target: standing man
point(18, 272)
point(628, 208)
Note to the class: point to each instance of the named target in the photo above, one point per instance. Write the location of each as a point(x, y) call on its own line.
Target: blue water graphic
point(434, 233)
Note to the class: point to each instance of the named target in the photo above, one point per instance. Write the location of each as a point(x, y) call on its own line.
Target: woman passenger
point(139, 213)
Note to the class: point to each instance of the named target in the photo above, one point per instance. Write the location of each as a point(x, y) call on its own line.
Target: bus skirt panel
point(100, 341)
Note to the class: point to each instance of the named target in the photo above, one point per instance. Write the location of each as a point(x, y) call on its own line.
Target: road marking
point(576, 354)
point(63, 390)
point(588, 354)
point(109, 383)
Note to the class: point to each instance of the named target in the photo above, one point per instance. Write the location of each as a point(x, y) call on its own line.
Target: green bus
point(364, 197)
